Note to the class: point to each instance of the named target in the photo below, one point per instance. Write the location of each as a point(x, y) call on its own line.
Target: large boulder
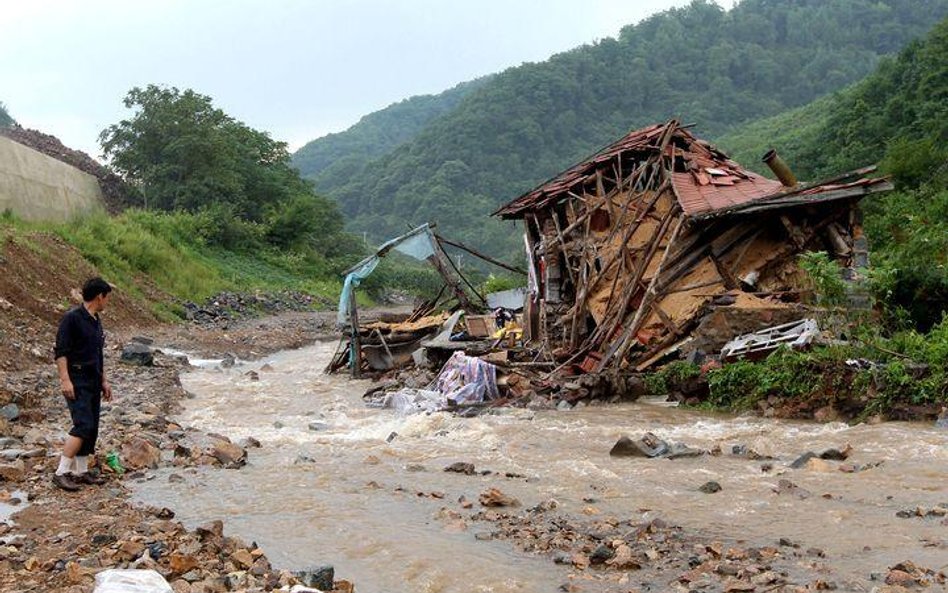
point(648, 445)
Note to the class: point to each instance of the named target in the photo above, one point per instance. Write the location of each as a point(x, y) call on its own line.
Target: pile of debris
point(116, 192)
point(229, 306)
point(655, 248)
point(630, 250)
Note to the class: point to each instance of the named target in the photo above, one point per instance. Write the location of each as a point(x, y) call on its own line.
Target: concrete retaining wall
point(39, 188)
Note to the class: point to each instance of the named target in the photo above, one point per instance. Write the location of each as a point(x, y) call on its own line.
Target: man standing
point(79, 361)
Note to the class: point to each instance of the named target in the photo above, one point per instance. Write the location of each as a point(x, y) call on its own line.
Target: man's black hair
point(94, 287)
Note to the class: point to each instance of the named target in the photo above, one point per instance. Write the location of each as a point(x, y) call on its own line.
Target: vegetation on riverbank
point(895, 362)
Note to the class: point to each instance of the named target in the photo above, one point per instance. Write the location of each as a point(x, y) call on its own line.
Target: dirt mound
point(114, 189)
point(41, 278)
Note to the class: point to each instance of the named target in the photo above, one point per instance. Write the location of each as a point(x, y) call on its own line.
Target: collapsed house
point(629, 249)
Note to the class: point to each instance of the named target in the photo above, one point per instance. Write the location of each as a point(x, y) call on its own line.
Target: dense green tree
point(717, 68)
point(182, 153)
point(6, 120)
point(897, 116)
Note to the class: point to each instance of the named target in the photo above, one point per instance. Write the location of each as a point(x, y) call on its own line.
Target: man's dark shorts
point(85, 408)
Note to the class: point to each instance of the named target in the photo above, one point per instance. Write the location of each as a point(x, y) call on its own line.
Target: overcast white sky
point(298, 69)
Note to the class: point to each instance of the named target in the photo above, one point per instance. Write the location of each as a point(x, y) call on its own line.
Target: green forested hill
point(5, 118)
point(701, 63)
point(377, 133)
point(897, 116)
point(898, 110)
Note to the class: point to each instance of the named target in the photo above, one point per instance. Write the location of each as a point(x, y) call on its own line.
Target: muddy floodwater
point(347, 493)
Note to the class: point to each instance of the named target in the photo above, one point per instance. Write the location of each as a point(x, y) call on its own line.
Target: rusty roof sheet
point(705, 180)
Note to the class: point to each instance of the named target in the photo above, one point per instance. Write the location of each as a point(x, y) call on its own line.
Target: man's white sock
point(82, 464)
point(65, 465)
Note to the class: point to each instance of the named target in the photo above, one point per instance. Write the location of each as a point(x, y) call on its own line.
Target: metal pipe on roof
point(780, 168)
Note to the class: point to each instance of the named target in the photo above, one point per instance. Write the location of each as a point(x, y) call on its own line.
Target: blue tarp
point(419, 244)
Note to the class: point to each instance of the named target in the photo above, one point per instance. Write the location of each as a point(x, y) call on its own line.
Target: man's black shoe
point(88, 478)
point(66, 482)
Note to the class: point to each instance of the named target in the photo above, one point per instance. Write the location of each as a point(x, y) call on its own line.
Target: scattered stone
point(493, 497)
point(802, 460)
point(12, 472)
point(228, 454)
point(138, 453)
point(788, 487)
point(837, 454)
point(601, 554)
point(320, 577)
point(249, 443)
point(647, 446)
point(10, 411)
point(317, 426)
point(461, 467)
point(211, 529)
point(710, 487)
point(139, 354)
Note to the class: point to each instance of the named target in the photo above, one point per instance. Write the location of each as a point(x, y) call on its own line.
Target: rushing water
point(346, 494)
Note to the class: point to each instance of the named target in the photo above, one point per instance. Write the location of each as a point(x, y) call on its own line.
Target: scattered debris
point(628, 249)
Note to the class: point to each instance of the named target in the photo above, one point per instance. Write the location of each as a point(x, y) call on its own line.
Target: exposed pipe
point(780, 168)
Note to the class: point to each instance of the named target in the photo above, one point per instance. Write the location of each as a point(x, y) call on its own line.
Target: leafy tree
point(182, 153)
point(897, 116)
point(6, 120)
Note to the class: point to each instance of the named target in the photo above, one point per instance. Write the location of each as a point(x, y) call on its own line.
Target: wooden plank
point(355, 344)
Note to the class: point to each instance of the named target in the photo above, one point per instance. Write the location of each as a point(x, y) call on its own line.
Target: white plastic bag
point(117, 580)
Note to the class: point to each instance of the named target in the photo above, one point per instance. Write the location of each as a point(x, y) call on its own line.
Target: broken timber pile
point(628, 249)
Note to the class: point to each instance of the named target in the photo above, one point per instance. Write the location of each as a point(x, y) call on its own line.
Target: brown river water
point(332, 496)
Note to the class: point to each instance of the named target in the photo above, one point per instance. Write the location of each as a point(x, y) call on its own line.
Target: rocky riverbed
point(537, 485)
point(51, 540)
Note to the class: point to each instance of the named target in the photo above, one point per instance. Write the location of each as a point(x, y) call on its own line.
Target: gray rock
point(144, 340)
point(317, 426)
point(710, 487)
point(679, 451)
point(648, 446)
point(14, 454)
point(461, 467)
point(802, 460)
point(8, 442)
point(138, 354)
point(228, 361)
point(601, 554)
point(10, 411)
point(249, 443)
point(564, 405)
point(319, 577)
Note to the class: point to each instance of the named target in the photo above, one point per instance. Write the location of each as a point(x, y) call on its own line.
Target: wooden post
point(355, 345)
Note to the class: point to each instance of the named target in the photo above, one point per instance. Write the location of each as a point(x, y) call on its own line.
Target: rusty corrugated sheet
point(705, 179)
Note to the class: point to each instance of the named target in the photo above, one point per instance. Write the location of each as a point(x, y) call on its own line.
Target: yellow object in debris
point(510, 328)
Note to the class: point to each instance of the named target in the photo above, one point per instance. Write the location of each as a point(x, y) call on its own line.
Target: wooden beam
point(355, 343)
point(480, 255)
